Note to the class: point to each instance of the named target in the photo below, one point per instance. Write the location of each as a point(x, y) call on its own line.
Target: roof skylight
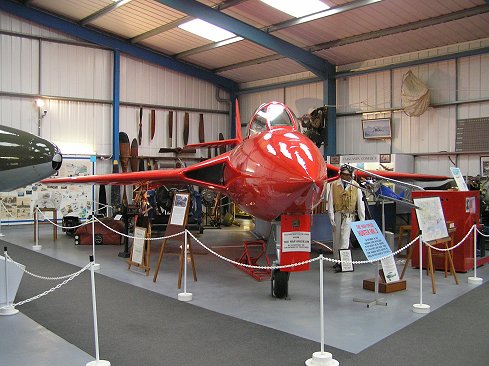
point(297, 8)
point(206, 30)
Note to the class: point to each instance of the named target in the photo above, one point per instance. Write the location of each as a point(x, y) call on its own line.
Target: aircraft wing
point(218, 143)
point(207, 174)
point(392, 175)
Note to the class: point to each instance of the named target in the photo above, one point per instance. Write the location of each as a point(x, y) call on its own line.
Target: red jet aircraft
point(274, 170)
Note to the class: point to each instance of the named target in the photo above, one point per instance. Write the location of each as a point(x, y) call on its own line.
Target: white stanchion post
point(7, 309)
point(421, 308)
point(185, 296)
point(475, 280)
point(36, 246)
point(96, 266)
point(98, 361)
point(321, 358)
point(1, 209)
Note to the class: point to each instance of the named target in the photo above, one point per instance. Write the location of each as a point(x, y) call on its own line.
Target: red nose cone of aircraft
point(279, 172)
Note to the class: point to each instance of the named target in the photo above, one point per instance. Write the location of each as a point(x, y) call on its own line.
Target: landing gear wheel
point(280, 284)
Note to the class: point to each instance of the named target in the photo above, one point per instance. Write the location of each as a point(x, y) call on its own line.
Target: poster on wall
point(68, 199)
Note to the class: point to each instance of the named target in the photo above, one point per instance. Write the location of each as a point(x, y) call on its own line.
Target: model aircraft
point(274, 170)
point(25, 158)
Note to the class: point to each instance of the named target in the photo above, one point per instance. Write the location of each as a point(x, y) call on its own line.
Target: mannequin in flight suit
point(344, 203)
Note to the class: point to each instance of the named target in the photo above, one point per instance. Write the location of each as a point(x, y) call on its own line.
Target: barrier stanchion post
point(7, 309)
point(98, 361)
point(475, 280)
point(321, 358)
point(96, 266)
point(1, 209)
point(421, 308)
point(36, 246)
point(185, 296)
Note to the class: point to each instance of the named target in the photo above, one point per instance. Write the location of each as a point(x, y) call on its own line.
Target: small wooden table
point(55, 219)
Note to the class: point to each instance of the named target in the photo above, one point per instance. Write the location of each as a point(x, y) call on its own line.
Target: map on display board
point(68, 199)
point(430, 218)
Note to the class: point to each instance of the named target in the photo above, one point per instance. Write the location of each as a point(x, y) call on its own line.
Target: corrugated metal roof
point(373, 30)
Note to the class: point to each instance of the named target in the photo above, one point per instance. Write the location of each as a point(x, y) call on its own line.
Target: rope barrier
point(480, 232)
point(133, 237)
point(332, 260)
point(35, 275)
point(5, 209)
point(71, 277)
point(61, 226)
point(452, 247)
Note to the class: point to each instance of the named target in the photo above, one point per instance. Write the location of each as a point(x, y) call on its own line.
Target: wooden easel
point(177, 224)
point(146, 252)
point(447, 255)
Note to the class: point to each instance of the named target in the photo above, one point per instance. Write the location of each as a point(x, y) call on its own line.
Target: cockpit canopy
point(270, 116)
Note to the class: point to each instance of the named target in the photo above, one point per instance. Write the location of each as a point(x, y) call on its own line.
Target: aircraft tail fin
point(239, 136)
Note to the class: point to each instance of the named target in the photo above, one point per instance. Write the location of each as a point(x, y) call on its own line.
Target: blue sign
point(371, 239)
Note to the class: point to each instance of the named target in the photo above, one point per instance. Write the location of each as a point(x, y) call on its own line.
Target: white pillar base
point(185, 296)
point(421, 308)
point(96, 266)
point(474, 280)
point(322, 359)
point(98, 363)
point(9, 311)
point(37, 247)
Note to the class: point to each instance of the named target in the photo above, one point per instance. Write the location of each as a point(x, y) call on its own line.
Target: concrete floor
point(223, 288)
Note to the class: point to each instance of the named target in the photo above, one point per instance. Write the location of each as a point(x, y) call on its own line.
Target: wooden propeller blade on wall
point(152, 124)
point(201, 128)
point(140, 133)
point(186, 127)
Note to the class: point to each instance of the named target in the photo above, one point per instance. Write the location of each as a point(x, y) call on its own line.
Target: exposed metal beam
point(403, 28)
point(103, 11)
point(285, 24)
point(176, 23)
point(114, 43)
point(311, 62)
point(369, 35)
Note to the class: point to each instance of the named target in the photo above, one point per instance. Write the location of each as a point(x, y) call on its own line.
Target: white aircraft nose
point(57, 161)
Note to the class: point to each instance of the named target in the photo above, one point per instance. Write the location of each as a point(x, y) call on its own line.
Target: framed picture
point(376, 128)
point(385, 158)
point(485, 166)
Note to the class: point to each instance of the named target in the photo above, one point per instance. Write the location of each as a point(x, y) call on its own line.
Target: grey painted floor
point(223, 288)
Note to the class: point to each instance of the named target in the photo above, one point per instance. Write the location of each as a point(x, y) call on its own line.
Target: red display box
point(458, 207)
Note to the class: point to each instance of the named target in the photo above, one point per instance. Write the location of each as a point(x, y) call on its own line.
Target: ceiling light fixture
point(297, 8)
point(207, 30)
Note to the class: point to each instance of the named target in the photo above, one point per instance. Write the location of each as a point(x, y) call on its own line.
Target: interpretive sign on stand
point(375, 247)
point(177, 224)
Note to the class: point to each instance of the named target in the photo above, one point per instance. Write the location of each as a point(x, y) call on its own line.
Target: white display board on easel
point(430, 218)
point(14, 275)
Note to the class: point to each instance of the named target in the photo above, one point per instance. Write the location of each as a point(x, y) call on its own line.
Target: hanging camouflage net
point(415, 96)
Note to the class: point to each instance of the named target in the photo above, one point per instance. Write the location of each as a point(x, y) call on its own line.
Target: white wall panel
point(146, 83)
point(363, 92)
point(19, 65)
point(78, 127)
point(14, 24)
point(75, 71)
point(19, 113)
